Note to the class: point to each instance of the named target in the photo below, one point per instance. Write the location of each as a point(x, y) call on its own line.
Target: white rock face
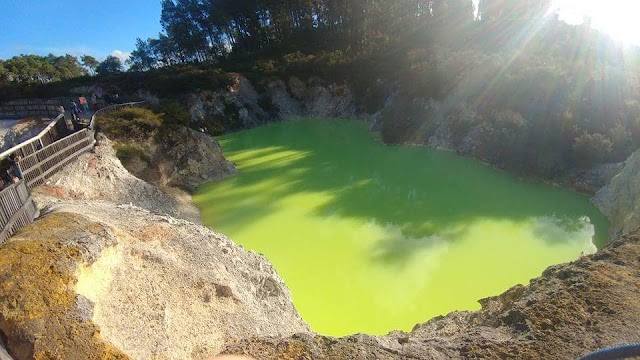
point(99, 175)
point(13, 133)
point(157, 286)
point(172, 289)
point(620, 199)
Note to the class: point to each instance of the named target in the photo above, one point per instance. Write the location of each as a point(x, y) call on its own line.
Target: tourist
point(14, 160)
point(7, 171)
point(75, 111)
point(84, 103)
point(94, 102)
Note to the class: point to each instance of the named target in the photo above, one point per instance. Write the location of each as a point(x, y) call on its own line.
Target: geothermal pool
point(372, 238)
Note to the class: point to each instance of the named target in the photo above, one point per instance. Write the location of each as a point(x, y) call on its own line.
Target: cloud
point(122, 55)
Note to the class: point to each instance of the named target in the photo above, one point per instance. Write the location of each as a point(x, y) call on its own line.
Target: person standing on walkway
point(94, 102)
point(75, 112)
point(84, 104)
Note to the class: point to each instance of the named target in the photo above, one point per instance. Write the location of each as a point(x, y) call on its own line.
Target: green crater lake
point(372, 238)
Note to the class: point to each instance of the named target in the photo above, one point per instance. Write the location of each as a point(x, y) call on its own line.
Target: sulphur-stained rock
point(332, 100)
point(591, 180)
point(297, 88)
point(41, 314)
point(92, 279)
point(569, 311)
point(286, 106)
point(620, 199)
point(233, 108)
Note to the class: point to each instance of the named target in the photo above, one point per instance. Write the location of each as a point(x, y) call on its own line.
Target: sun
point(618, 18)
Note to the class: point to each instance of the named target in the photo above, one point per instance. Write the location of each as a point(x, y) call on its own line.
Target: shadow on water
point(422, 192)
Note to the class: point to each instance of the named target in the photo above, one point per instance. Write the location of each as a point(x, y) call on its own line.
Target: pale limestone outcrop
point(95, 279)
point(620, 199)
point(107, 273)
point(100, 175)
point(18, 131)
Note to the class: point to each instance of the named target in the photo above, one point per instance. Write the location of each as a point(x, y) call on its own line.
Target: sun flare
point(618, 18)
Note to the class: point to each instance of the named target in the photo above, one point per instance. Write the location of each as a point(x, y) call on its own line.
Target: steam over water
point(372, 238)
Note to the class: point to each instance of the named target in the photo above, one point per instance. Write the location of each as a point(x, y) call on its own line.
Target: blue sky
point(97, 28)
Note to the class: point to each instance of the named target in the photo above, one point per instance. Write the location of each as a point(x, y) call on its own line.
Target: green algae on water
point(372, 238)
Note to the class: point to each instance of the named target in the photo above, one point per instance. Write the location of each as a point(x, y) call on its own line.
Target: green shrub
point(173, 114)
point(130, 124)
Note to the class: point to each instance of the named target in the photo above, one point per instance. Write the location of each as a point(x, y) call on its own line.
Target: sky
point(618, 18)
point(97, 28)
point(111, 27)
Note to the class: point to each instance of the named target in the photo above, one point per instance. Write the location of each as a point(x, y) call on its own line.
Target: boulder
point(41, 313)
point(92, 279)
point(187, 159)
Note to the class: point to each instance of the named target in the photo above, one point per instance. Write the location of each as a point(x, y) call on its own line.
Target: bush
point(173, 114)
point(130, 124)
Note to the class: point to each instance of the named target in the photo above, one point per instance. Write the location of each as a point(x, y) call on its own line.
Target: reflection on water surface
point(371, 238)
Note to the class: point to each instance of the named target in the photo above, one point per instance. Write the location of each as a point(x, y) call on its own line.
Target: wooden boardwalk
point(40, 158)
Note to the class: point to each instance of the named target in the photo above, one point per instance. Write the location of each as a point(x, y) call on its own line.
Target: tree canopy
point(90, 63)
point(40, 69)
point(110, 65)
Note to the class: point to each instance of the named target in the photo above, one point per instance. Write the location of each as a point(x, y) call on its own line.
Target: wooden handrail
point(16, 205)
point(46, 130)
point(10, 187)
point(40, 135)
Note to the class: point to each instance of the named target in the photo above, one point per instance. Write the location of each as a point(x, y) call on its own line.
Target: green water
point(372, 238)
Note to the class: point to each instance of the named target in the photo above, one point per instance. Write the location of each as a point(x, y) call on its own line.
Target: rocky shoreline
point(119, 267)
point(571, 310)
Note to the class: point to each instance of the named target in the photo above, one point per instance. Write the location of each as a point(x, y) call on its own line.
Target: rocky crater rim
point(111, 239)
